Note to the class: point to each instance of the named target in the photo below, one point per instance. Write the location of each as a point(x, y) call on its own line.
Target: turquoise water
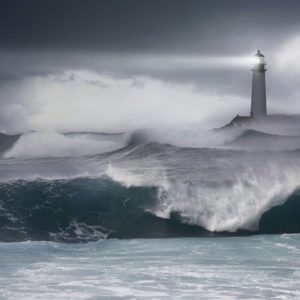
point(265, 267)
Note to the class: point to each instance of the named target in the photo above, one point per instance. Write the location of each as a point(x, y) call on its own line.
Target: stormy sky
point(122, 64)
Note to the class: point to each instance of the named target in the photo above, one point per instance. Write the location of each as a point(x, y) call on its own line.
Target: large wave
point(81, 210)
point(228, 198)
point(86, 209)
point(86, 186)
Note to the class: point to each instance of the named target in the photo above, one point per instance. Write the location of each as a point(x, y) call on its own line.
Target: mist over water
point(53, 144)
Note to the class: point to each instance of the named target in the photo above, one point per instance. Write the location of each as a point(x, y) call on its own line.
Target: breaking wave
point(81, 210)
point(87, 209)
point(80, 187)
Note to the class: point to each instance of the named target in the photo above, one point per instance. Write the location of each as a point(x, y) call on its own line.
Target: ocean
point(173, 214)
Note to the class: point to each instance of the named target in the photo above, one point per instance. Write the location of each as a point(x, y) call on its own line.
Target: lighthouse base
point(276, 121)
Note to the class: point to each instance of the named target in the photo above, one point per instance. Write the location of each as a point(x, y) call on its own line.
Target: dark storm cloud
point(143, 25)
point(131, 38)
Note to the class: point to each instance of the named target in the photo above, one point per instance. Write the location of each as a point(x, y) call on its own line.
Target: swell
point(258, 140)
point(86, 209)
point(69, 144)
point(53, 144)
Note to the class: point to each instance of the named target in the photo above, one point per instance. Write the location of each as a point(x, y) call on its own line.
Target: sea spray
point(228, 206)
point(53, 144)
point(146, 187)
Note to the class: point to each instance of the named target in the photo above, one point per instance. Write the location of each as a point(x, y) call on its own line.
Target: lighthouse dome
point(259, 54)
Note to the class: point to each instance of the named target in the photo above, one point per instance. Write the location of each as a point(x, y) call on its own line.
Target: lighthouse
point(258, 96)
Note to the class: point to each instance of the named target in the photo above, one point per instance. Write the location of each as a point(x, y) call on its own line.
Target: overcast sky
point(122, 64)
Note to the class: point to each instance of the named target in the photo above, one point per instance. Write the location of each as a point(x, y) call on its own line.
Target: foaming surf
point(79, 187)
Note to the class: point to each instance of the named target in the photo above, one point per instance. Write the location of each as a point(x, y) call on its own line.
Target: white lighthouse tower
point(258, 97)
